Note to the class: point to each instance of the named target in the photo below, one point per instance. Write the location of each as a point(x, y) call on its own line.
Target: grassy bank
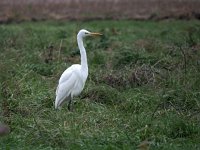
point(144, 84)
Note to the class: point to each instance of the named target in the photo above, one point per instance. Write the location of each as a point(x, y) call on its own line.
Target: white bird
point(72, 81)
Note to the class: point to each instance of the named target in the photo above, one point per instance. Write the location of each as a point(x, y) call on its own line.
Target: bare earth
point(20, 10)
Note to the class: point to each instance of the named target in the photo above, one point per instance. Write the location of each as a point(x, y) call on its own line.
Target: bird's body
point(71, 84)
point(72, 81)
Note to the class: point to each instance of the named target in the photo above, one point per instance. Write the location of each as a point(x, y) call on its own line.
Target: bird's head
point(83, 33)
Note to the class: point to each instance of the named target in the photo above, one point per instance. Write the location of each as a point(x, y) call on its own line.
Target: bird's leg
point(70, 105)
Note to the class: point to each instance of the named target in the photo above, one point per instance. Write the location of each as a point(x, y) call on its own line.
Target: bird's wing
point(66, 74)
point(66, 84)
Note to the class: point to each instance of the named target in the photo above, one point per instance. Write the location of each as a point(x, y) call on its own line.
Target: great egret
point(72, 81)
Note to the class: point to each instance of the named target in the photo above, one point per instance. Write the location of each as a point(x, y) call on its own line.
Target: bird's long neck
point(84, 65)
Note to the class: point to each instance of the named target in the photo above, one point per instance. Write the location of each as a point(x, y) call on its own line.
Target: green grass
point(143, 84)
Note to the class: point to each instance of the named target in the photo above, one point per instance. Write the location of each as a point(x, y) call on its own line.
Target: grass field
point(143, 85)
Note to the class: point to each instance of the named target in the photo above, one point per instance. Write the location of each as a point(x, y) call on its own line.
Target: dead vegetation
point(32, 10)
point(130, 77)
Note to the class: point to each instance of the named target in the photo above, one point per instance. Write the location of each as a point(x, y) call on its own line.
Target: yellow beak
point(95, 34)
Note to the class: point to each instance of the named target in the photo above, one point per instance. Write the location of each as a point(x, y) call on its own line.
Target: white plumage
point(72, 81)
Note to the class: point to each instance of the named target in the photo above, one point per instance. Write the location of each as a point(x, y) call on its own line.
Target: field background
point(143, 89)
point(12, 10)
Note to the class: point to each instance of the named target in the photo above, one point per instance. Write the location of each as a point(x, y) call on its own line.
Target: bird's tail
point(56, 104)
point(59, 101)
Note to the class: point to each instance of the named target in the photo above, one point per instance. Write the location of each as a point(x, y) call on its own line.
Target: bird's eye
point(86, 33)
